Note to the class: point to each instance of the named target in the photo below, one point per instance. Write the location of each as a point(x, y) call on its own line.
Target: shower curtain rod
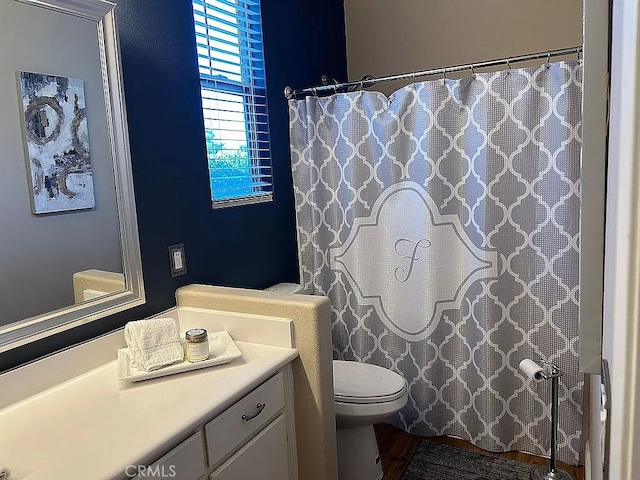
point(369, 81)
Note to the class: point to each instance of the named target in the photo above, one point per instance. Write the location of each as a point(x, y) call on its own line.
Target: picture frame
point(56, 137)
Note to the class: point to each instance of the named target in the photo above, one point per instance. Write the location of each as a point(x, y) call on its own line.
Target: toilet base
point(358, 456)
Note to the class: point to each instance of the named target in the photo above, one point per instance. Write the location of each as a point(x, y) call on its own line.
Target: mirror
point(70, 252)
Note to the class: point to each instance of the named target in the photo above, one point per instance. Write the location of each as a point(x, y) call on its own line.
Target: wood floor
point(397, 447)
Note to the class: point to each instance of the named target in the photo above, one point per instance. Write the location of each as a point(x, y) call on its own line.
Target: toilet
point(364, 394)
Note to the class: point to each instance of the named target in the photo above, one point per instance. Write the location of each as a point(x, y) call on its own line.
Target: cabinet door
point(184, 462)
point(264, 457)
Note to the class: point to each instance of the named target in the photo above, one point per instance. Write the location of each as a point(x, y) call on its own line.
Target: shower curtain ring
point(413, 75)
point(473, 71)
point(315, 91)
point(578, 53)
point(444, 76)
point(508, 66)
point(548, 59)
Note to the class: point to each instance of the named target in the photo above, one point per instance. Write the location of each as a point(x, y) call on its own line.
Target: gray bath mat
point(434, 461)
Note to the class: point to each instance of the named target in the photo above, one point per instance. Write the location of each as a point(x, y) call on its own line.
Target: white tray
point(129, 373)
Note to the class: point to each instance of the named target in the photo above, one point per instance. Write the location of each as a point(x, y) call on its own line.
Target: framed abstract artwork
point(57, 143)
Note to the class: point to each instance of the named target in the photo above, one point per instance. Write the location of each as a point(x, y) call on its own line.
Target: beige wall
point(388, 37)
point(312, 370)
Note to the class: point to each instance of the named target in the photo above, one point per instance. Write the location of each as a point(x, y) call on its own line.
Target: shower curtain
point(443, 224)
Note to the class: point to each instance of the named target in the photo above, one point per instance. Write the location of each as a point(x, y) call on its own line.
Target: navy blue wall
point(250, 246)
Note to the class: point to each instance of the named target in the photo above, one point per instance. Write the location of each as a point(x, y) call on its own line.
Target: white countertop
point(92, 426)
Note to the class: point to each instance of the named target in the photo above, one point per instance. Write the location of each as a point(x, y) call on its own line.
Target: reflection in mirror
point(93, 283)
point(68, 230)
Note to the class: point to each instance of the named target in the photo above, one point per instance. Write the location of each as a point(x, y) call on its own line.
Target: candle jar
point(197, 345)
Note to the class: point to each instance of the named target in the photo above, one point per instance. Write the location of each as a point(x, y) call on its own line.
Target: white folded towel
point(4, 473)
point(153, 343)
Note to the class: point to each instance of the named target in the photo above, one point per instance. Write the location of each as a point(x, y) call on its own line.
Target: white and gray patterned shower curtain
point(443, 224)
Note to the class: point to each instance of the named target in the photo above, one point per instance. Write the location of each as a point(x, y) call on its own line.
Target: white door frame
point(622, 245)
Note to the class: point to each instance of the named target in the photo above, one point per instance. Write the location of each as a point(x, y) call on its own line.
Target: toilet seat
point(364, 383)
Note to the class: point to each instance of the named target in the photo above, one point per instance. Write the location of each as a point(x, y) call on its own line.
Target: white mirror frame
point(41, 326)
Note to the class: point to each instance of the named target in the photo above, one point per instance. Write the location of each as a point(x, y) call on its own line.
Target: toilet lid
point(355, 382)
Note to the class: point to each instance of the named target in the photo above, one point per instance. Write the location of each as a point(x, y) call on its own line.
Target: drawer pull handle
point(251, 416)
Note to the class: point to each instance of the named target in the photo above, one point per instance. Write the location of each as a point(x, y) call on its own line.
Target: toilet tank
point(285, 288)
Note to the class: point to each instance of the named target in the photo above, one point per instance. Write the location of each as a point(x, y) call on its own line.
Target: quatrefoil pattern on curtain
point(443, 224)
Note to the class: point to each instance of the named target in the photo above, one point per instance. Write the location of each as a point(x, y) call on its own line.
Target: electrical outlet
point(177, 260)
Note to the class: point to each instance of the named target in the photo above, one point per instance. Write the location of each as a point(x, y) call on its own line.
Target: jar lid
point(196, 335)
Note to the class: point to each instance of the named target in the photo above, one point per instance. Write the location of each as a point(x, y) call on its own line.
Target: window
point(234, 100)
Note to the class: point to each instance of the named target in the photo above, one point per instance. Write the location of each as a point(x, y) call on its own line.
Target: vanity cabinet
point(244, 419)
point(257, 422)
point(233, 421)
point(264, 457)
point(253, 438)
point(184, 462)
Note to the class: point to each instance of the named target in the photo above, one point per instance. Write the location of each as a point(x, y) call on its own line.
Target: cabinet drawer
point(264, 457)
point(243, 419)
point(186, 462)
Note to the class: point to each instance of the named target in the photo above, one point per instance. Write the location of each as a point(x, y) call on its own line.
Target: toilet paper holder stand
point(552, 472)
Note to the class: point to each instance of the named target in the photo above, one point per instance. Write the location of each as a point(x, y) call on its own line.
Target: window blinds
point(231, 65)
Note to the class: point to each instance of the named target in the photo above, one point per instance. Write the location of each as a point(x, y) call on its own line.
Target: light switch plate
point(177, 260)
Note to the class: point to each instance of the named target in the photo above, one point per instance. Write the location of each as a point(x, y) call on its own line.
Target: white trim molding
point(622, 246)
